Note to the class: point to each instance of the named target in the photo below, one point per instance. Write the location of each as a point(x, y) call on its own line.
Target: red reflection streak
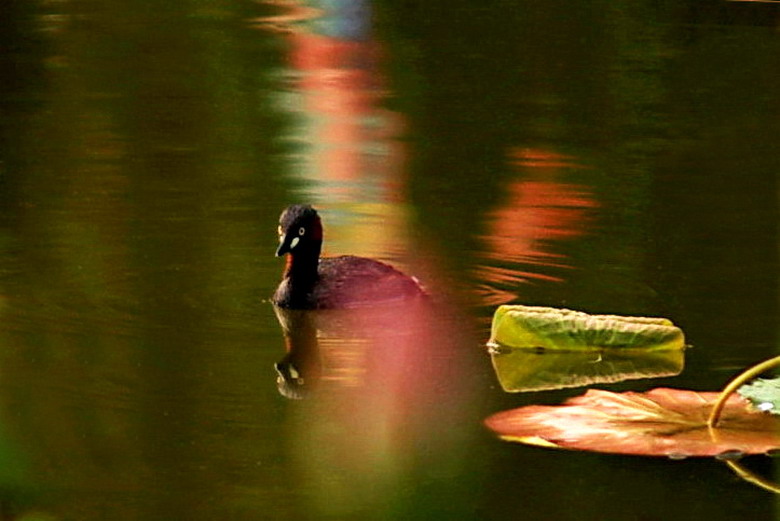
point(537, 211)
point(341, 89)
point(540, 211)
point(537, 158)
point(354, 157)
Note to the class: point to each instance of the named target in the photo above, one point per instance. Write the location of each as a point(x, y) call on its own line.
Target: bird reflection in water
point(341, 348)
point(299, 371)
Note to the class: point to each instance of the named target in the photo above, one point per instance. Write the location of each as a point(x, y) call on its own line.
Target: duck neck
point(301, 267)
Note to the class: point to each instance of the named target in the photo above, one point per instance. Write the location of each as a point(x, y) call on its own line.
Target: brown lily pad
point(661, 422)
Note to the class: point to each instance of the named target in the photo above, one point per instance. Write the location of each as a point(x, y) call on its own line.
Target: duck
point(347, 281)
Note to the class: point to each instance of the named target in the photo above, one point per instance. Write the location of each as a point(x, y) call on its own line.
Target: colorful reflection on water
point(349, 158)
point(371, 378)
point(542, 209)
point(371, 383)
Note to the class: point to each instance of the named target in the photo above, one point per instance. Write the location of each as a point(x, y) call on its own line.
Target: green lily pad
point(764, 394)
point(530, 327)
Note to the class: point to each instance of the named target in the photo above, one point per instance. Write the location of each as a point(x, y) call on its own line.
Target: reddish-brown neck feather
point(288, 262)
point(316, 229)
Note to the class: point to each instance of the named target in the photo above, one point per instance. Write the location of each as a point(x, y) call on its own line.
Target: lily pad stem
point(735, 384)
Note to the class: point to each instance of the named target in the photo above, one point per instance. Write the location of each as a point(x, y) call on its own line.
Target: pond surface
point(607, 158)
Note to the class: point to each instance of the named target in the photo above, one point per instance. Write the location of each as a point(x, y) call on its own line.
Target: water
point(605, 158)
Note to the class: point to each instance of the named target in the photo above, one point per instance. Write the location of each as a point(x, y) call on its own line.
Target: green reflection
point(131, 281)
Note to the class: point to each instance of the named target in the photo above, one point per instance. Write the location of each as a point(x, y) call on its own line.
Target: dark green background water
point(606, 157)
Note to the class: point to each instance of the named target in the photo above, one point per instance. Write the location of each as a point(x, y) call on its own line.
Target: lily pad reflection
point(520, 370)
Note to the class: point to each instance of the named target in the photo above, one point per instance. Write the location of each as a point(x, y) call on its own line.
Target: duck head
point(300, 230)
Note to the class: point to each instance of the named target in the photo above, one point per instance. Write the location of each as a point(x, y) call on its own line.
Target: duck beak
point(284, 246)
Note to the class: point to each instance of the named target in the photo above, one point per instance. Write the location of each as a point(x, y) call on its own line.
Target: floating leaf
point(764, 394)
point(661, 422)
point(564, 329)
point(521, 370)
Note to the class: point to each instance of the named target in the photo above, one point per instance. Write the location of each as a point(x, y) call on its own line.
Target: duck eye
point(301, 231)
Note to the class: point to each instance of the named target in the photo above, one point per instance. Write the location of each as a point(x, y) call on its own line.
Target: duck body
point(347, 281)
